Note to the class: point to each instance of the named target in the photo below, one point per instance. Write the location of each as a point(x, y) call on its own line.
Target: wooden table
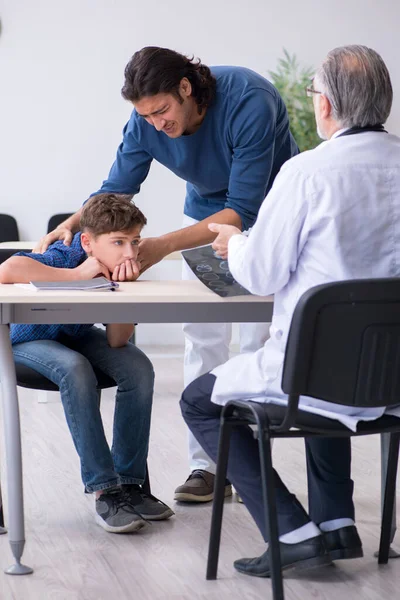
point(18, 245)
point(141, 302)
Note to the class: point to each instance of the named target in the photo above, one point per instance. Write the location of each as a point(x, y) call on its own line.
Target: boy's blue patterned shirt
point(63, 257)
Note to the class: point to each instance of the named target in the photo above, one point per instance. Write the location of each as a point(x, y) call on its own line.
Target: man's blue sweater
point(229, 162)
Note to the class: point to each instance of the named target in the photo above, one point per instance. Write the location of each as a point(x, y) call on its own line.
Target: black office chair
point(8, 229)
point(343, 347)
point(6, 253)
point(55, 220)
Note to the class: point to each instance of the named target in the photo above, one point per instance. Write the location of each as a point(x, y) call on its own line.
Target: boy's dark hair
point(154, 70)
point(105, 213)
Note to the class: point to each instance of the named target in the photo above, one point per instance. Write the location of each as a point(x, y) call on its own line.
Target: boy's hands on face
point(126, 271)
point(91, 268)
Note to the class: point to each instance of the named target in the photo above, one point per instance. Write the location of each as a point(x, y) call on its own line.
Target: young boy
point(67, 354)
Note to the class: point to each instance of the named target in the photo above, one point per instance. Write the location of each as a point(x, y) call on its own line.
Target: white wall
point(61, 70)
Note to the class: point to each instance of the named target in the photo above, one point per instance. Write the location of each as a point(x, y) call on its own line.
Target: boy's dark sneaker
point(115, 514)
point(147, 505)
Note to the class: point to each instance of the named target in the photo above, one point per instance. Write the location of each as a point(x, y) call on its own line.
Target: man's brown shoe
point(199, 487)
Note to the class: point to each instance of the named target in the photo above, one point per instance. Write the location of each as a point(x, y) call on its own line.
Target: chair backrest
point(344, 343)
point(5, 253)
point(55, 220)
point(8, 229)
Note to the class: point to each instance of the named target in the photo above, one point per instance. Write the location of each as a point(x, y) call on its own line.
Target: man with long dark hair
point(225, 131)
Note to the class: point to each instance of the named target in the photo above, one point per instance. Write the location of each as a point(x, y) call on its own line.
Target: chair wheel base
point(392, 553)
point(18, 569)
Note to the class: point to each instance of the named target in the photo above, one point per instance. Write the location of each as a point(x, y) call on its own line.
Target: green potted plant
point(291, 80)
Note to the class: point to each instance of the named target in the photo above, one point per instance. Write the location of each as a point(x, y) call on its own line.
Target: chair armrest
point(256, 413)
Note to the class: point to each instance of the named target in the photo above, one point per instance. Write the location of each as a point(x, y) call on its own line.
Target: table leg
point(2, 528)
point(12, 435)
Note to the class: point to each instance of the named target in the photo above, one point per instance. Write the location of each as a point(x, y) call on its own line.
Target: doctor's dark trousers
point(330, 488)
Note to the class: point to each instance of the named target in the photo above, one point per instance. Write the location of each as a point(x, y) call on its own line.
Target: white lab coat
point(333, 213)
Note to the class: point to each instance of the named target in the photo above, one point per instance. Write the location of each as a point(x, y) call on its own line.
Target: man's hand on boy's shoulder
point(90, 268)
point(126, 271)
point(60, 233)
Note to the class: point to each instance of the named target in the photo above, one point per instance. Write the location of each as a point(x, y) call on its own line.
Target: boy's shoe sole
point(130, 527)
point(161, 517)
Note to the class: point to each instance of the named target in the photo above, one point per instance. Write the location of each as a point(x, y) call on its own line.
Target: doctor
point(331, 215)
point(225, 131)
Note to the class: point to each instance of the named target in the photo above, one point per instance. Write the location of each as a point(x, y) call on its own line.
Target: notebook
point(98, 283)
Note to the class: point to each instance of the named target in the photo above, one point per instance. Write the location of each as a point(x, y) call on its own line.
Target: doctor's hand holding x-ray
point(225, 232)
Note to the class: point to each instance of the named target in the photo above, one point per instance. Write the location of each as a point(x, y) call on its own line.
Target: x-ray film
point(213, 271)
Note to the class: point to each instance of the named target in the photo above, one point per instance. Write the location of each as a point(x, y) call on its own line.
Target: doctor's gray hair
point(357, 83)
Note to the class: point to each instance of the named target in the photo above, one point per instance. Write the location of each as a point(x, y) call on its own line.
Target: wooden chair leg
point(218, 502)
point(268, 490)
point(388, 505)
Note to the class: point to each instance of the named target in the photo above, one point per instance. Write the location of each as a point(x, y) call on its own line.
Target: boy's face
point(112, 249)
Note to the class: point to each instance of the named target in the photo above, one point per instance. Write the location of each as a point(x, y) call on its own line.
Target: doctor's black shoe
point(343, 543)
point(199, 487)
point(305, 555)
point(115, 514)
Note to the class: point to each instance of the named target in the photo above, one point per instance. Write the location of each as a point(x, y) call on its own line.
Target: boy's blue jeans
point(68, 363)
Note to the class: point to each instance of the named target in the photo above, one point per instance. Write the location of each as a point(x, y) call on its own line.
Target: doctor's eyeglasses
point(310, 91)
